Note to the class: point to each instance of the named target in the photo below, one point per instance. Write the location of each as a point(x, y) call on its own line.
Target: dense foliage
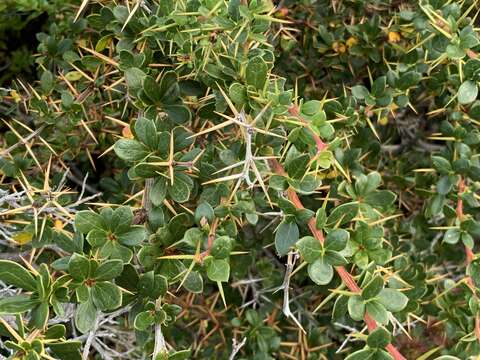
point(241, 180)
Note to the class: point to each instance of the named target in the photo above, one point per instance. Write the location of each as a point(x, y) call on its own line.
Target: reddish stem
point(461, 188)
point(293, 110)
point(346, 277)
point(477, 326)
point(468, 252)
point(211, 237)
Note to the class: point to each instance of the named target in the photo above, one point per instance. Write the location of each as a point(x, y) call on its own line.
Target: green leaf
point(194, 282)
point(286, 236)
point(320, 218)
point(55, 331)
point(377, 311)
point(454, 52)
point(452, 236)
point(108, 270)
point(116, 250)
point(473, 270)
point(306, 185)
point(134, 78)
point(146, 132)
point(79, 267)
point(378, 86)
point(97, 238)
point(181, 188)
point(130, 150)
point(467, 240)
point(467, 92)
point(334, 258)
point(218, 270)
point(343, 214)
point(152, 286)
point(326, 131)
point(238, 93)
point(324, 159)
point(179, 114)
point(378, 338)
point(445, 184)
point(380, 198)
point(106, 296)
point(256, 72)
point(311, 107)
point(152, 89)
point(309, 248)
point(392, 299)
point(441, 164)
point(297, 166)
point(363, 354)
point(373, 288)
point(160, 284)
point(336, 239)
point(381, 354)
point(47, 81)
point(408, 79)
point(85, 316)
point(144, 320)
point(204, 211)
point(221, 248)
point(360, 92)
point(320, 272)
point(278, 183)
point(365, 184)
point(356, 307)
point(340, 307)
point(87, 220)
point(16, 304)
point(122, 218)
point(39, 315)
point(159, 191)
point(134, 236)
point(66, 350)
point(14, 274)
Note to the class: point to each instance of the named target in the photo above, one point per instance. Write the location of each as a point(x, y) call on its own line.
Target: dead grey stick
point(291, 259)
point(91, 336)
point(236, 347)
point(23, 141)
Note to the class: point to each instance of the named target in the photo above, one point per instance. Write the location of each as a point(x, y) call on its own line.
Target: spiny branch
point(346, 277)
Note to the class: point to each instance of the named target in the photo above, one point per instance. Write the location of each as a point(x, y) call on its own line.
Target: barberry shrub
point(238, 179)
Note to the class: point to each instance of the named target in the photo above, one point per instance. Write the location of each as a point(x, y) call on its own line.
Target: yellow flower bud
point(351, 41)
point(58, 224)
point(393, 37)
point(339, 47)
point(383, 121)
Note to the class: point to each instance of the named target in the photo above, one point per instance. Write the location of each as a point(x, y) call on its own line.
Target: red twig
point(459, 210)
point(468, 252)
point(346, 277)
point(211, 238)
point(293, 110)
